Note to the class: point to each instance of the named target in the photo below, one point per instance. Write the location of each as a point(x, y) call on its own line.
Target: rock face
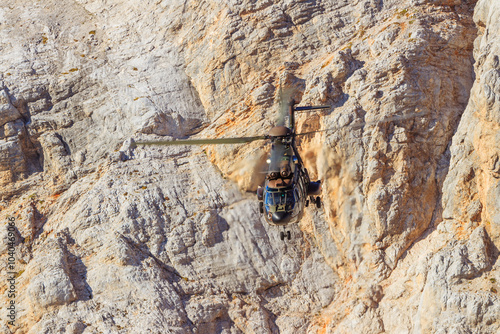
point(112, 238)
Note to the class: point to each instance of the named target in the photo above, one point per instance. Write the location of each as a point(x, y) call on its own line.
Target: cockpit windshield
point(283, 199)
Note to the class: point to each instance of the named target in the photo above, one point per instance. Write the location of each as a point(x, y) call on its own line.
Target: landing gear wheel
point(318, 202)
point(307, 203)
point(282, 235)
point(288, 235)
point(261, 207)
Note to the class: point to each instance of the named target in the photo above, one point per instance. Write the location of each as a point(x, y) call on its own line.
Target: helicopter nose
point(281, 217)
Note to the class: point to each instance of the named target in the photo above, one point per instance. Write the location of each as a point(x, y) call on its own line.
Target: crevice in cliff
point(451, 121)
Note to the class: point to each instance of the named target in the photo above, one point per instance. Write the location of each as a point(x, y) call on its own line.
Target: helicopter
point(287, 188)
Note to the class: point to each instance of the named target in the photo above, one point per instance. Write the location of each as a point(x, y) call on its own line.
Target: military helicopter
point(287, 188)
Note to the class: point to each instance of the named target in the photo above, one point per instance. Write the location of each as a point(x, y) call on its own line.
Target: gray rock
point(130, 239)
point(8, 112)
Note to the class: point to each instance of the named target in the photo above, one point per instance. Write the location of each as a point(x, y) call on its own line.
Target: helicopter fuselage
point(285, 192)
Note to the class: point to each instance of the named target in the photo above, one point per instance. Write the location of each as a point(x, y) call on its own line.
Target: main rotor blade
point(203, 141)
point(310, 108)
point(285, 96)
point(361, 124)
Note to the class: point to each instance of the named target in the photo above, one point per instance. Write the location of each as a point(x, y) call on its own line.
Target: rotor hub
point(280, 131)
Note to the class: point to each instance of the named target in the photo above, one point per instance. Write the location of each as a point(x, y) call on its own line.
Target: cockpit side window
point(269, 200)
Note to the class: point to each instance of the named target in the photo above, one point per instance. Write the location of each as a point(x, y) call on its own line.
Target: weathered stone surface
point(115, 238)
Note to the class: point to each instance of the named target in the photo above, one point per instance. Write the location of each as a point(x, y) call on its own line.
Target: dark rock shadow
point(77, 272)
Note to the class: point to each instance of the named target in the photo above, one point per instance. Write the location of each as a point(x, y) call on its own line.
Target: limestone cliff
point(115, 239)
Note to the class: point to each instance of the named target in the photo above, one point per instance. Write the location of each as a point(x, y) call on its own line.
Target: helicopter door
point(298, 203)
point(300, 182)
